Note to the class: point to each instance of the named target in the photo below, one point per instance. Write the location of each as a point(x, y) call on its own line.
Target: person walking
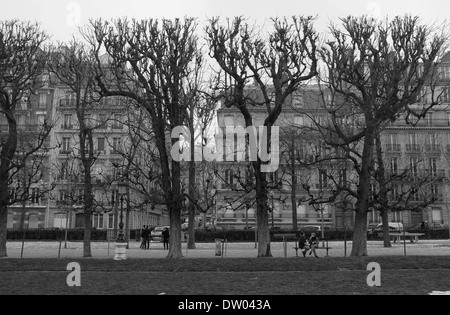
point(143, 239)
point(166, 234)
point(147, 237)
point(313, 244)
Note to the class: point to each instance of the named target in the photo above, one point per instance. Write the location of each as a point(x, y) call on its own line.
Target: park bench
point(291, 236)
point(323, 246)
point(413, 237)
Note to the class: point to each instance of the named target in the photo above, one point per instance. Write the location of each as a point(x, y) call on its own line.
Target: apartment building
point(413, 151)
point(56, 199)
point(33, 112)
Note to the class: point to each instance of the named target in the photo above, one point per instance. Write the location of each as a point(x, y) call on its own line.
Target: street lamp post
point(121, 243)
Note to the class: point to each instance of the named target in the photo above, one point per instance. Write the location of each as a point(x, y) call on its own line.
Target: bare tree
point(22, 61)
point(151, 62)
point(278, 63)
point(73, 66)
point(376, 70)
point(201, 112)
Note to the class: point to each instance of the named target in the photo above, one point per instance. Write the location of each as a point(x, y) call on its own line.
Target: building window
point(301, 211)
point(393, 143)
point(436, 215)
point(97, 220)
point(445, 96)
point(110, 221)
point(395, 192)
point(101, 121)
point(423, 96)
point(117, 121)
point(116, 145)
point(35, 195)
point(65, 145)
point(343, 178)
point(274, 178)
point(101, 145)
point(434, 191)
point(41, 120)
point(444, 72)
point(64, 197)
point(67, 123)
point(374, 216)
point(323, 179)
point(229, 179)
point(394, 165)
point(396, 216)
point(42, 100)
point(413, 163)
point(429, 119)
point(412, 142)
point(59, 220)
point(297, 100)
point(432, 166)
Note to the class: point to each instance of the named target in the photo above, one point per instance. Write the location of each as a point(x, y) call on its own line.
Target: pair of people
point(308, 244)
point(145, 235)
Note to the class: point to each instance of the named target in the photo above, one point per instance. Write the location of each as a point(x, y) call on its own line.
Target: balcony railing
point(410, 174)
point(430, 148)
point(393, 148)
point(412, 148)
point(67, 103)
point(435, 122)
point(66, 126)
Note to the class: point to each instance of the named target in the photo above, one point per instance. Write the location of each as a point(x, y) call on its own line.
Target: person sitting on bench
point(313, 244)
point(302, 243)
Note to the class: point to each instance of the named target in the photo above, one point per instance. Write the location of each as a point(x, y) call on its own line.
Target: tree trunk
point(293, 190)
point(384, 202)
point(191, 192)
point(87, 234)
point(172, 190)
point(7, 153)
point(386, 236)
point(262, 215)
point(88, 199)
point(359, 245)
point(175, 233)
point(25, 196)
point(3, 224)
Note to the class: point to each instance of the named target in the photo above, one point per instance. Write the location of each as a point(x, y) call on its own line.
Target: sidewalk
point(103, 250)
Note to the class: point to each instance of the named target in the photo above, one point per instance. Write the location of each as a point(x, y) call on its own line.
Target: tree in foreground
point(151, 62)
point(22, 62)
point(375, 70)
point(261, 71)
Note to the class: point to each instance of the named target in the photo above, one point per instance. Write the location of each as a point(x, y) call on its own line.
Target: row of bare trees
point(367, 69)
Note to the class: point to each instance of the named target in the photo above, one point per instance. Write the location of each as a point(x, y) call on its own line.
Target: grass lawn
point(400, 275)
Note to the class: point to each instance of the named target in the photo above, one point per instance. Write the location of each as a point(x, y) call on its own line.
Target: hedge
point(202, 236)
point(76, 234)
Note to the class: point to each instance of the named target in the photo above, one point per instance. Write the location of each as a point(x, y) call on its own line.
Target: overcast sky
point(60, 17)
